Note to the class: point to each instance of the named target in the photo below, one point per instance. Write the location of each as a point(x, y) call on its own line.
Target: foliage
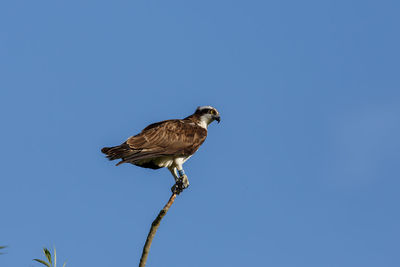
point(50, 262)
point(2, 247)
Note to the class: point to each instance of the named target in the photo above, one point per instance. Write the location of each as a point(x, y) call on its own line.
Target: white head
point(207, 114)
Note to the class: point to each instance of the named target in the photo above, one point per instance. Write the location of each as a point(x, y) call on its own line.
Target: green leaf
point(48, 255)
point(42, 262)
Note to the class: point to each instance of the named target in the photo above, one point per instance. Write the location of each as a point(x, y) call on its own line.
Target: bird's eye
point(212, 112)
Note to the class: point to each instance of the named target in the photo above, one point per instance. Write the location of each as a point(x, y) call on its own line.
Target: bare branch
point(153, 230)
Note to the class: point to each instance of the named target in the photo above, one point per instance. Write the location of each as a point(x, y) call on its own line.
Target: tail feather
point(127, 154)
point(117, 152)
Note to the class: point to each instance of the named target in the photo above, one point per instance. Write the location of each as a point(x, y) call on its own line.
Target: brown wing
point(166, 138)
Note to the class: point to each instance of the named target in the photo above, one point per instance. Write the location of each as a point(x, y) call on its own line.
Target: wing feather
point(172, 137)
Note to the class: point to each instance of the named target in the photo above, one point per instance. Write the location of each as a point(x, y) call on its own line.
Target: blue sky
point(303, 170)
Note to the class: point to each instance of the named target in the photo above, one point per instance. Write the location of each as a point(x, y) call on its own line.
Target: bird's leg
point(178, 186)
point(181, 180)
point(174, 173)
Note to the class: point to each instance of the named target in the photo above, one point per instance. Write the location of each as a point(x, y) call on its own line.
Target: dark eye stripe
point(206, 111)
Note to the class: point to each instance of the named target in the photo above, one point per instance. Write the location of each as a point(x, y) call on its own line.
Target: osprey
point(166, 144)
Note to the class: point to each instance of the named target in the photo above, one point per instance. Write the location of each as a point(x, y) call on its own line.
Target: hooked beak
point(217, 118)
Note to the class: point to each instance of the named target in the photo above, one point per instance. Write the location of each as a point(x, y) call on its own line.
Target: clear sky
point(302, 171)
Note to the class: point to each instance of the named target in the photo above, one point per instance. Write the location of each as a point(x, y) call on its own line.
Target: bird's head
point(208, 114)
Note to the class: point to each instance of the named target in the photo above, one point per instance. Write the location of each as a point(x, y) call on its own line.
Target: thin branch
point(153, 230)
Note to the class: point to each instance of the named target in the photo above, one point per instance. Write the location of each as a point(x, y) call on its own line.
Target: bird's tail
point(117, 152)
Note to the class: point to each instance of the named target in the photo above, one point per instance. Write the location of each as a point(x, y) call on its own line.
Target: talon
point(177, 188)
point(185, 181)
point(180, 185)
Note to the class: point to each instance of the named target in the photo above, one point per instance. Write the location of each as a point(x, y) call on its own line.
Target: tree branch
point(153, 230)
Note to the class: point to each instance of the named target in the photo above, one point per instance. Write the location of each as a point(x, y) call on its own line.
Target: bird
point(167, 144)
